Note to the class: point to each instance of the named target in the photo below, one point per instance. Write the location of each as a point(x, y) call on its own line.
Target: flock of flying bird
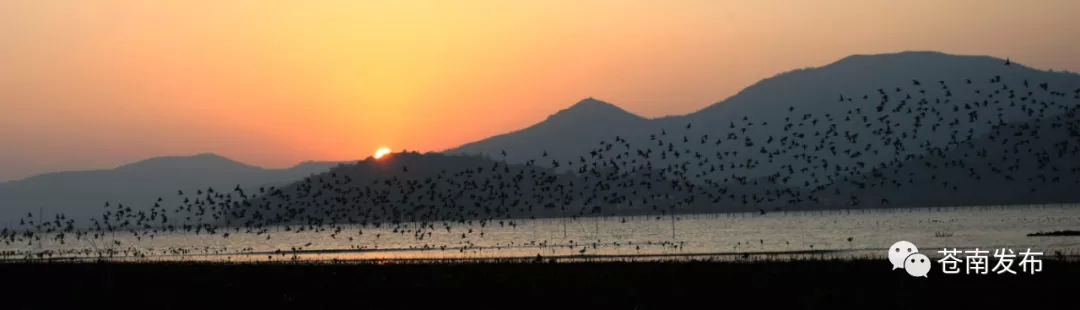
point(1022, 134)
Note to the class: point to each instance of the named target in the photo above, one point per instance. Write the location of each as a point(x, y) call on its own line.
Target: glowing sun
point(382, 151)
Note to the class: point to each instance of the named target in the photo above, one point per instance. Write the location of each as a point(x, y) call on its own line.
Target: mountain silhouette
point(414, 187)
point(1033, 162)
point(821, 130)
point(82, 193)
point(564, 134)
point(813, 90)
point(867, 131)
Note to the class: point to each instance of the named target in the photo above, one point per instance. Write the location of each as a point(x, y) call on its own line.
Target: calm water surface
point(817, 234)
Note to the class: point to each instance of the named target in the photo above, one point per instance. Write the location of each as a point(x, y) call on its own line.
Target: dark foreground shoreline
point(641, 285)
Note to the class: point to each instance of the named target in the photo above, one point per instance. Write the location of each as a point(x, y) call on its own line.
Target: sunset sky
point(96, 84)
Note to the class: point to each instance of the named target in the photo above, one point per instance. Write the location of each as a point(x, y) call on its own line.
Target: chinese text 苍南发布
point(977, 261)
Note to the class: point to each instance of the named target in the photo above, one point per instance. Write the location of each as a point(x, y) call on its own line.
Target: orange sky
point(95, 84)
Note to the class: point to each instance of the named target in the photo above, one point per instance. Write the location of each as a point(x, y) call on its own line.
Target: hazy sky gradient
point(94, 84)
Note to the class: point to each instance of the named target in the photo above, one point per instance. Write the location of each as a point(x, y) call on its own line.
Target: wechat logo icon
point(905, 255)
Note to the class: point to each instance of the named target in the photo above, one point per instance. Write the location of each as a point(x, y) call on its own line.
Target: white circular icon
point(917, 265)
point(899, 251)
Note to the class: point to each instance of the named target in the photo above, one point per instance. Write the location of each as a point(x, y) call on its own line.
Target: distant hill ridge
point(847, 127)
point(138, 184)
point(864, 131)
point(574, 131)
